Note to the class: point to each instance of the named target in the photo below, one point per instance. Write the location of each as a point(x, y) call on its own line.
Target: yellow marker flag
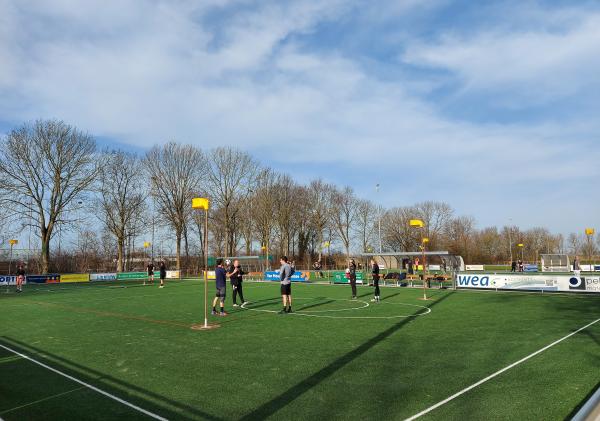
point(590, 231)
point(200, 203)
point(417, 223)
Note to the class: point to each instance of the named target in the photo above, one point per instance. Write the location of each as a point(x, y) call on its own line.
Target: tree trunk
point(178, 252)
point(120, 254)
point(45, 256)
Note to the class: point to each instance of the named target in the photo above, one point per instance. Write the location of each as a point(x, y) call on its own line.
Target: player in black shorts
point(221, 283)
point(150, 268)
point(285, 273)
point(163, 274)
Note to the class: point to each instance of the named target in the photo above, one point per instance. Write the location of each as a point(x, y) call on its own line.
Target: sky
point(491, 107)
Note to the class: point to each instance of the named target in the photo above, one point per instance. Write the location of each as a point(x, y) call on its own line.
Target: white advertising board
point(9, 280)
point(103, 277)
point(474, 267)
point(548, 282)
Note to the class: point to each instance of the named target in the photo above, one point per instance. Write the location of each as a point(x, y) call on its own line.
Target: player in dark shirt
point(235, 275)
point(20, 278)
point(375, 273)
point(221, 284)
point(352, 272)
point(163, 274)
point(150, 268)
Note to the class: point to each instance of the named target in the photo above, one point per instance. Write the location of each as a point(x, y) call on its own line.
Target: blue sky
point(489, 106)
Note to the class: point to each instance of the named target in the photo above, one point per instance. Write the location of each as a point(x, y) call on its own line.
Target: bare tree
point(230, 177)
point(344, 215)
point(175, 173)
point(320, 199)
point(45, 168)
point(366, 213)
point(122, 198)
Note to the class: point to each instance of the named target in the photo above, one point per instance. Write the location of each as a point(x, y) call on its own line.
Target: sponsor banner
point(173, 274)
point(74, 277)
point(212, 276)
point(9, 280)
point(563, 283)
point(434, 267)
point(51, 278)
point(298, 276)
point(103, 277)
point(596, 268)
point(474, 267)
point(340, 278)
point(132, 275)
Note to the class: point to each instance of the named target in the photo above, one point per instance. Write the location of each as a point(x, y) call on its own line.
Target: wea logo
point(473, 281)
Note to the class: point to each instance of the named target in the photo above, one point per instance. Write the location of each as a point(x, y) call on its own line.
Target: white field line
point(497, 373)
point(89, 386)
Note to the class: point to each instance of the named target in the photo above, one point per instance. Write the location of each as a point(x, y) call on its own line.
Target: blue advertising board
point(530, 268)
point(299, 276)
point(51, 278)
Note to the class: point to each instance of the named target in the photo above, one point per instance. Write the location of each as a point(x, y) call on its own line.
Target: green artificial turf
point(373, 362)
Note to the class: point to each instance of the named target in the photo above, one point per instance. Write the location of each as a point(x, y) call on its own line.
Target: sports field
point(130, 353)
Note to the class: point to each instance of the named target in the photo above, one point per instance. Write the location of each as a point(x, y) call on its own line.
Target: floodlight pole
point(206, 268)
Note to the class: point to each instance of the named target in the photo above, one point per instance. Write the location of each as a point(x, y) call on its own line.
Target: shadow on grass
point(316, 305)
point(152, 401)
point(271, 407)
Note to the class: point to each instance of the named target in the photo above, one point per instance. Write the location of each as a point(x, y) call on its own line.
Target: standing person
point(411, 270)
point(163, 274)
point(235, 276)
point(20, 278)
point(150, 268)
point(221, 284)
point(285, 273)
point(318, 268)
point(352, 273)
point(576, 266)
point(375, 272)
point(513, 266)
point(521, 267)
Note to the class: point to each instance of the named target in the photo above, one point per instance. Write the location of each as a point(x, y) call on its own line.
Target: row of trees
point(54, 179)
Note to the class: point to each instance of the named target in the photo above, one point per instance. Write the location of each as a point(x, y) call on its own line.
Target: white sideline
point(89, 386)
point(497, 373)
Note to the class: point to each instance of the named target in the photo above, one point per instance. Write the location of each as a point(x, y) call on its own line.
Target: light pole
point(589, 232)
point(326, 244)
point(522, 246)
point(417, 223)
point(510, 239)
point(378, 217)
point(203, 203)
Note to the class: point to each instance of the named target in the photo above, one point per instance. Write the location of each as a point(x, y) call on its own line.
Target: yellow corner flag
point(200, 203)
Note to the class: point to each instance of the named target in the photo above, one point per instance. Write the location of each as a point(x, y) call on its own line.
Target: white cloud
point(535, 66)
point(149, 72)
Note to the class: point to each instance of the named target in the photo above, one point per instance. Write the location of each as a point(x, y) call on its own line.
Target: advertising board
point(298, 276)
point(546, 282)
point(103, 277)
point(74, 277)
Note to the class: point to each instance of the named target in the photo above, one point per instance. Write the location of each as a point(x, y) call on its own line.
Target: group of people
point(235, 274)
point(517, 265)
point(351, 274)
point(162, 269)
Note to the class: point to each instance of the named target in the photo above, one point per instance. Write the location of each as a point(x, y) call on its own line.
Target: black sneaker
point(289, 310)
point(282, 311)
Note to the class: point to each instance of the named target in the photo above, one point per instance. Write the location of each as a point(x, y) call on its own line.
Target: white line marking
point(94, 388)
point(497, 373)
point(306, 314)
